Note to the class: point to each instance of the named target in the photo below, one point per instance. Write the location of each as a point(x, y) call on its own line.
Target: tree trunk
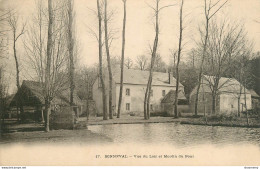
point(19, 97)
point(239, 102)
point(247, 117)
point(177, 66)
point(109, 65)
point(42, 112)
point(149, 96)
point(71, 52)
point(47, 112)
point(48, 65)
point(240, 93)
point(88, 98)
point(145, 104)
point(213, 103)
point(87, 108)
point(104, 99)
point(202, 60)
point(122, 62)
point(149, 84)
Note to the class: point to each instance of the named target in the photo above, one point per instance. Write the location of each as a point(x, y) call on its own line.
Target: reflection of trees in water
point(177, 134)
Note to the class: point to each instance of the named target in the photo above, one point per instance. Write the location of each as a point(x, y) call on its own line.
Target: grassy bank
point(82, 136)
point(222, 120)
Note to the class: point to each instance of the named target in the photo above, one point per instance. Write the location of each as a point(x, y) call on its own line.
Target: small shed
point(167, 103)
point(34, 104)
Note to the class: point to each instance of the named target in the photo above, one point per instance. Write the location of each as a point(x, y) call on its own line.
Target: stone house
point(226, 99)
point(134, 87)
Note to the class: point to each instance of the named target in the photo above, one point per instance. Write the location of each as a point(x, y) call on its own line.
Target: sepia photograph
point(129, 83)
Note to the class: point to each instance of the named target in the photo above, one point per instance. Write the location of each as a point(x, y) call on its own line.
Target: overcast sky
point(139, 27)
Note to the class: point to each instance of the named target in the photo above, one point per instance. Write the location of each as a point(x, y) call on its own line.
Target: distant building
point(255, 100)
point(167, 103)
point(33, 100)
point(134, 87)
point(226, 99)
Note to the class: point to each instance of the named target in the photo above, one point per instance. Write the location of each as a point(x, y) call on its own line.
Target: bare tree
point(46, 48)
point(225, 44)
point(16, 34)
point(70, 10)
point(4, 82)
point(141, 62)
point(129, 63)
point(48, 66)
point(86, 79)
point(100, 44)
point(98, 36)
point(210, 10)
point(4, 16)
point(159, 64)
point(239, 70)
point(174, 56)
point(110, 99)
point(4, 86)
point(122, 61)
point(178, 61)
point(115, 61)
point(156, 11)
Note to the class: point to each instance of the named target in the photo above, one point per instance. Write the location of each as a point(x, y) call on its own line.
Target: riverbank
point(129, 120)
point(34, 132)
point(82, 136)
point(223, 121)
point(15, 132)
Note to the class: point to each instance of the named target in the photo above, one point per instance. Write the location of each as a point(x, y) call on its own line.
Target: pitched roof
point(170, 96)
point(62, 97)
point(35, 88)
point(226, 85)
point(139, 77)
point(253, 93)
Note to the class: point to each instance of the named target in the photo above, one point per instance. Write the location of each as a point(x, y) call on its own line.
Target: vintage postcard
point(129, 83)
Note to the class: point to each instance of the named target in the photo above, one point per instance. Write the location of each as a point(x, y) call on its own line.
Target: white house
point(134, 87)
point(227, 99)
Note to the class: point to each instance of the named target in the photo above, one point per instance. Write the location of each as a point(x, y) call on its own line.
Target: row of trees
point(222, 44)
point(51, 46)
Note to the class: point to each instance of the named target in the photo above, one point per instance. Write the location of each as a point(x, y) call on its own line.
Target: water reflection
point(177, 134)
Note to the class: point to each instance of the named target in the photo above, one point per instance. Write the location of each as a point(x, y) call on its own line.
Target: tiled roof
point(226, 85)
point(253, 93)
point(170, 96)
point(132, 76)
point(62, 96)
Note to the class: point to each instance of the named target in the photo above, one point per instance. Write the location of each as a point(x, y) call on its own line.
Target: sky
point(139, 26)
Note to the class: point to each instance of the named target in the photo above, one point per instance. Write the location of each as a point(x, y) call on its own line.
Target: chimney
point(170, 77)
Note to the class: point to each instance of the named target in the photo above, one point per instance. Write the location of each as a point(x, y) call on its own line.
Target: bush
point(158, 113)
point(222, 117)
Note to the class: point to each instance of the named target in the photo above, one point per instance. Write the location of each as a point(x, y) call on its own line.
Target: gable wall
point(136, 98)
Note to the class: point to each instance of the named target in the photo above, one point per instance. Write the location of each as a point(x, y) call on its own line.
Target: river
point(177, 134)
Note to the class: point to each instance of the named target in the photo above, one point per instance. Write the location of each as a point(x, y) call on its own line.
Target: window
point(232, 106)
point(128, 106)
point(151, 93)
point(163, 92)
point(127, 92)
